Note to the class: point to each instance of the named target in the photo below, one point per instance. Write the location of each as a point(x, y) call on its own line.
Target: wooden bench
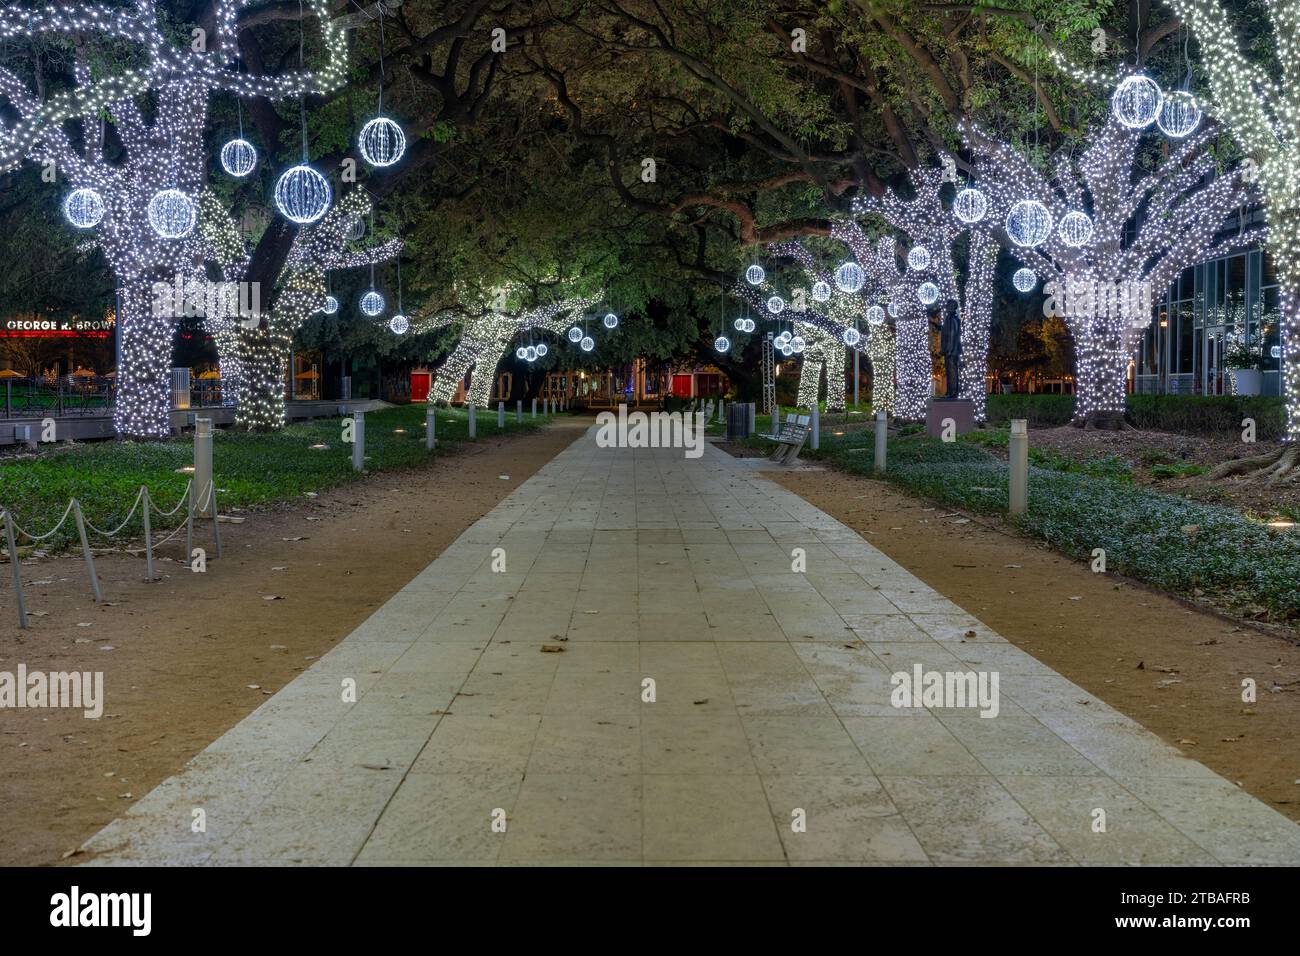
point(790, 440)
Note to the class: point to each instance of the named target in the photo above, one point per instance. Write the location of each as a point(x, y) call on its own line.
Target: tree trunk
point(264, 356)
point(1284, 226)
point(1099, 381)
point(144, 374)
point(880, 355)
point(915, 366)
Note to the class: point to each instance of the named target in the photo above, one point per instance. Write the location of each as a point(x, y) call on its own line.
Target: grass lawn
point(249, 469)
point(1182, 546)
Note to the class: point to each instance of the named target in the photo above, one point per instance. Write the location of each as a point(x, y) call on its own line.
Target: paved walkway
point(521, 694)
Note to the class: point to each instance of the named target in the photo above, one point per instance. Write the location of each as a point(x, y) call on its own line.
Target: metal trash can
point(740, 416)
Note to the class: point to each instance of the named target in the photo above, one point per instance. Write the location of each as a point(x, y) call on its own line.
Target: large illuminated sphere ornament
point(1024, 280)
point(381, 142)
point(84, 208)
point(542, 349)
point(530, 354)
point(970, 205)
point(1179, 114)
point(775, 304)
point(521, 352)
point(851, 337)
point(1075, 229)
point(610, 320)
point(918, 258)
point(798, 343)
point(399, 324)
point(356, 229)
point(331, 305)
point(302, 194)
point(928, 293)
point(749, 325)
point(587, 343)
point(172, 214)
point(875, 315)
point(372, 303)
point(238, 157)
point(1029, 223)
point(755, 274)
point(575, 334)
point(821, 291)
point(738, 325)
point(787, 349)
point(722, 343)
point(892, 308)
point(1136, 101)
point(849, 277)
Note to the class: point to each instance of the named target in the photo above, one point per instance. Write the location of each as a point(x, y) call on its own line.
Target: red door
point(682, 386)
point(420, 386)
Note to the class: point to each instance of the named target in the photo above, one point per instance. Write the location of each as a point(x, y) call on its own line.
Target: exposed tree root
point(1104, 421)
point(1266, 469)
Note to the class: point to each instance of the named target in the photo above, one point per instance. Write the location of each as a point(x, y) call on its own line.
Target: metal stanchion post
point(148, 534)
point(17, 570)
point(85, 550)
point(203, 461)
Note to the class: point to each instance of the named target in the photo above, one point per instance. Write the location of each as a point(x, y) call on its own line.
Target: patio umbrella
point(83, 373)
point(210, 375)
point(10, 373)
point(309, 374)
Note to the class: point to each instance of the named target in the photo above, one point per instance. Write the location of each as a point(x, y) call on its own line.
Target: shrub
point(1042, 411)
point(1209, 414)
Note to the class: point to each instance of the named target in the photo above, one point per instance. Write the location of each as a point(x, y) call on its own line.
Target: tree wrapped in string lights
point(485, 338)
point(897, 293)
point(1133, 232)
point(823, 337)
point(1262, 110)
point(143, 239)
point(934, 230)
point(264, 346)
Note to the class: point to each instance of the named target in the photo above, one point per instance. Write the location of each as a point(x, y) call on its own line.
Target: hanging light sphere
point(1075, 229)
point(530, 354)
point(1024, 280)
point(798, 343)
point(575, 334)
point(875, 315)
point(381, 142)
point(587, 343)
point(399, 324)
point(749, 325)
point(1179, 114)
point(787, 349)
point(970, 205)
point(356, 229)
point(542, 349)
point(851, 337)
point(1136, 101)
point(928, 293)
point(1029, 223)
point(722, 344)
point(739, 325)
point(849, 277)
point(331, 305)
point(755, 274)
point(302, 194)
point(172, 214)
point(238, 157)
point(775, 304)
point(918, 258)
point(821, 291)
point(372, 303)
point(610, 320)
point(520, 352)
point(84, 208)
